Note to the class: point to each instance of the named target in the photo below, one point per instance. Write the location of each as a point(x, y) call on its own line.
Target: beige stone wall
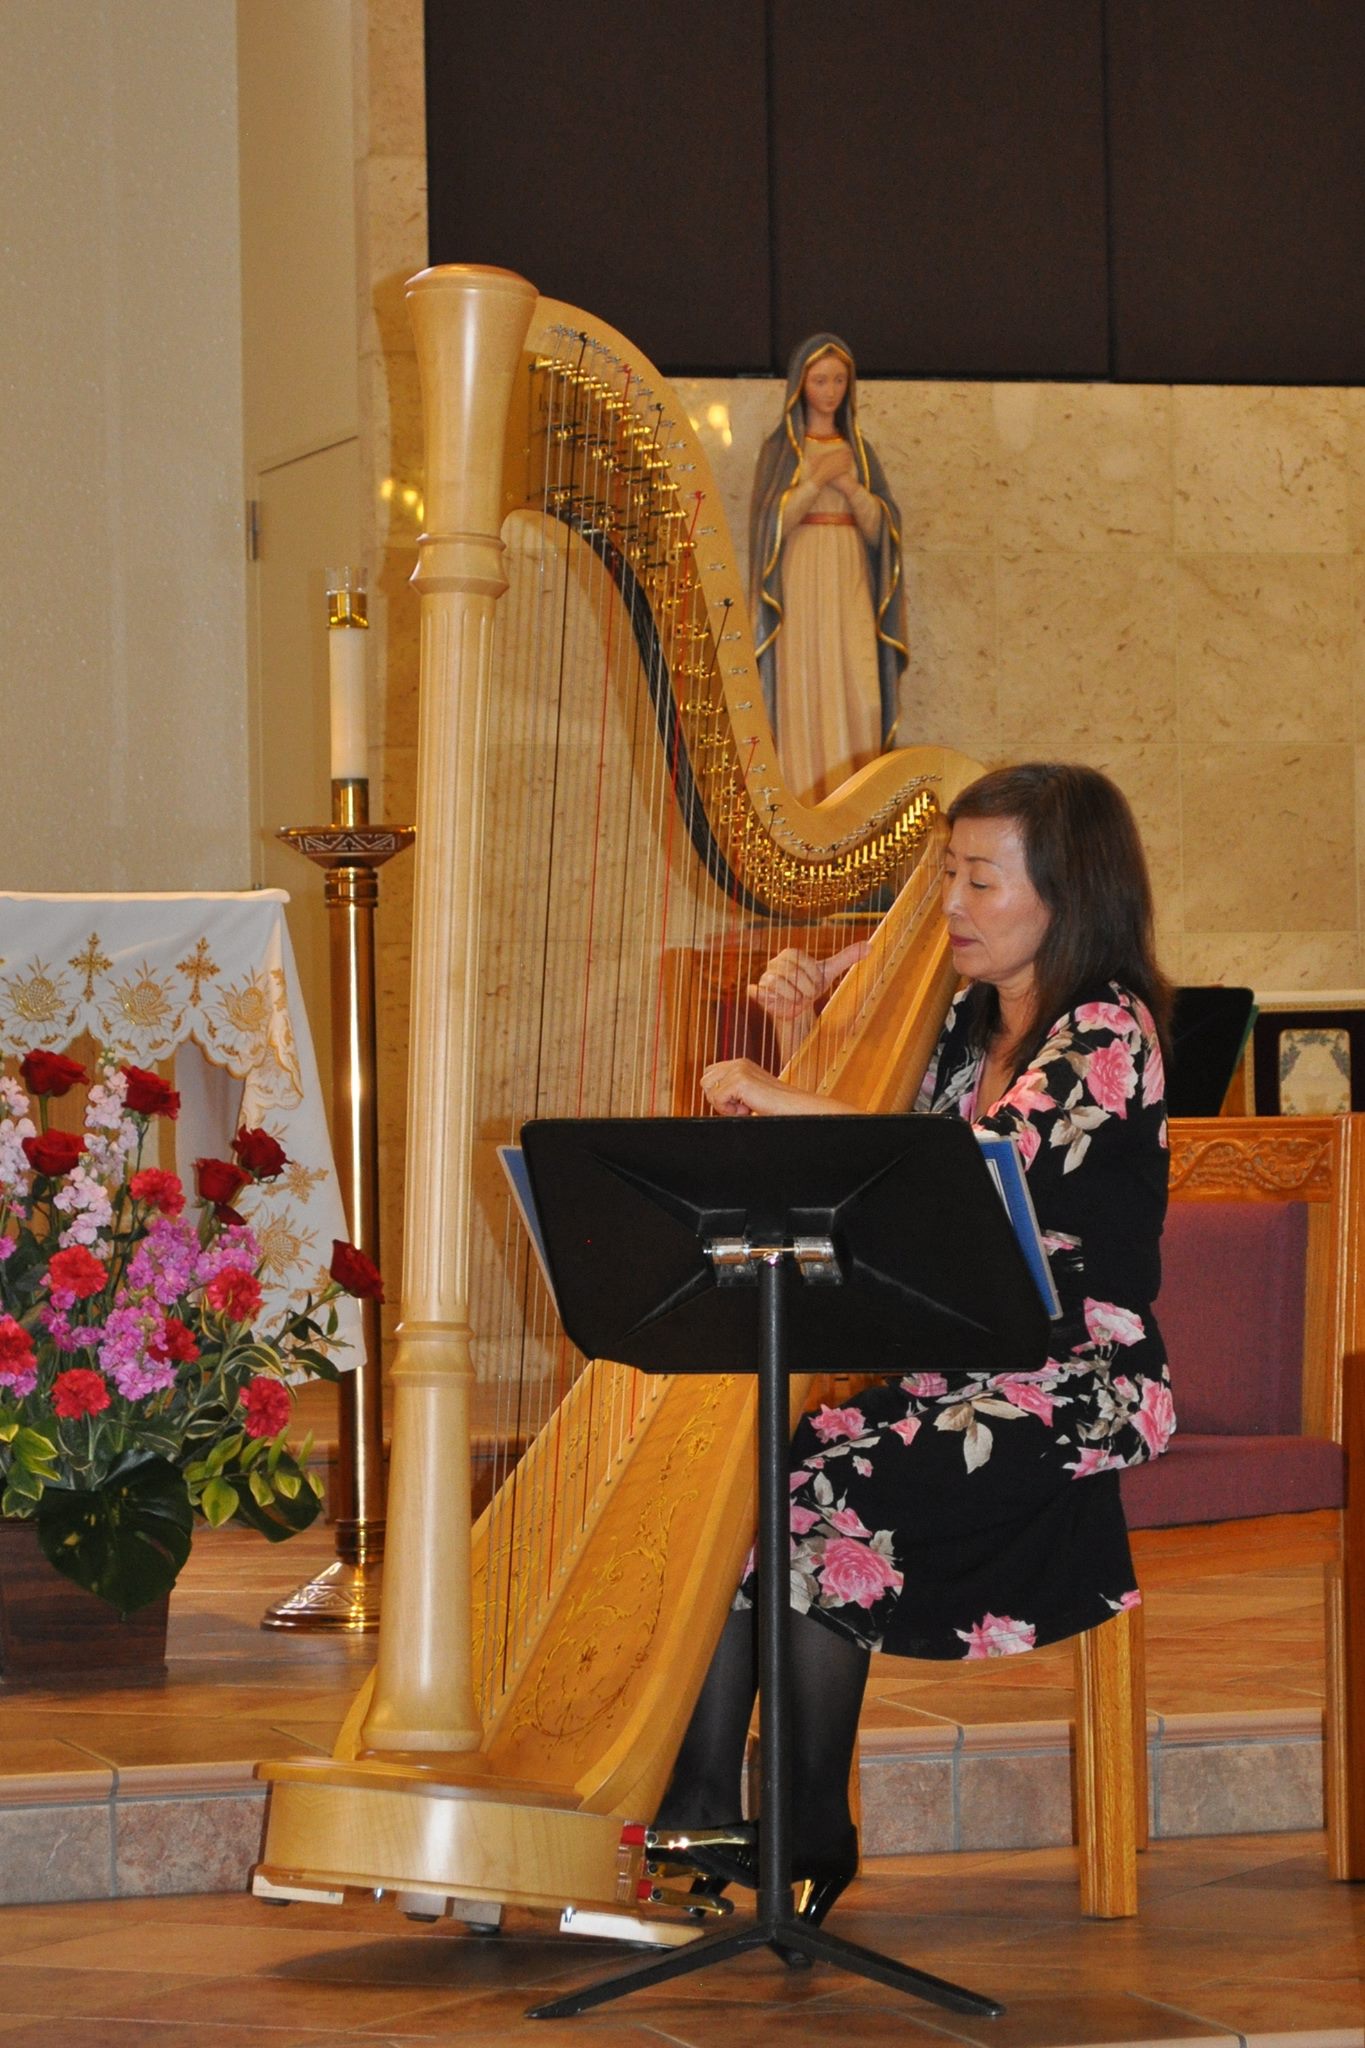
point(1167, 583)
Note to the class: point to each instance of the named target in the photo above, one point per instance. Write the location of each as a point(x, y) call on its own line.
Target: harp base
point(797, 1943)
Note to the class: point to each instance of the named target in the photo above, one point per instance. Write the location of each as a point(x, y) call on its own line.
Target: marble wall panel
point(1086, 651)
point(1272, 961)
point(1012, 1802)
point(1083, 466)
point(907, 1806)
point(55, 1852)
point(1266, 644)
point(939, 446)
point(1260, 470)
point(1355, 470)
point(1240, 800)
point(1238, 1788)
point(187, 1845)
point(948, 692)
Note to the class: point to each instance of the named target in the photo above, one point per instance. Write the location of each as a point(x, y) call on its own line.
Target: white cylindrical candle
point(346, 667)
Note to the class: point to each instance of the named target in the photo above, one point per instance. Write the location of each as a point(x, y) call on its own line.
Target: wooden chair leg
point(1137, 1652)
point(1105, 1774)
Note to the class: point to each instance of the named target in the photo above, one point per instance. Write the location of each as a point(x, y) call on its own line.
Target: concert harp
point(606, 855)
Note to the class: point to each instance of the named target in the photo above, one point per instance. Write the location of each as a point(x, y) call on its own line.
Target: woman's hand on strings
point(743, 1088)
point(793, 982)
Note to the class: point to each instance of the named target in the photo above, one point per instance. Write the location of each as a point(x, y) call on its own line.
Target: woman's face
point(996, 918)
point(822, 390)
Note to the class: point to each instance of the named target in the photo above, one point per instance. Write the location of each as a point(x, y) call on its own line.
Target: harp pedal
point(628, 1927)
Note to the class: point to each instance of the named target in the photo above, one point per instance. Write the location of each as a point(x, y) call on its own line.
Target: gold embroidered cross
point(199, 966)
point(90, 963)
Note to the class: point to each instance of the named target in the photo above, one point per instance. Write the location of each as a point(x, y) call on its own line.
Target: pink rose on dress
point(1094, 1458)
point(1127, 1601)
point(1153, 1074)
point(803, 1520)
point(853, 1572)
point(832, 1423)
point(1111, 1076)
point(1029, 1093)
point(996, 1635)
point(1105, 1017)
point(908, 1429)
point(1110, 1324)
point(926, 1384)
point(848, 1522)
point(1154, 1421)
point(1028, 1140)
point(1025, 1395)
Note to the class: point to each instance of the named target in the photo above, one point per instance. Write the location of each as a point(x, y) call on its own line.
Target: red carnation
point(236, 1292)
point(176, 1342)
point(260, 1154)
point(54, 1152)
point(50, 1073)
point(354, 1273)
point(267, 1406)
point(148, 1095)
point(160, 1190)
point(76, 1273)
point(218, 1180)
point(79, 1392)
point(18, 1368)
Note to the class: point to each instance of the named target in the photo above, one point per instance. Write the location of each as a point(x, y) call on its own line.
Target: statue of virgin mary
point(825, 564)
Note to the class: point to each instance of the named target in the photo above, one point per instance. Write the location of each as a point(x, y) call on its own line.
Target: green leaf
point(8, 1432)
point(316, 1362)
point(288, 1484)
point(262, 1491)
point(25, 1484)
point(282, 1518)
point(219, 1502)
point(34, 1448)
point(126, 1542)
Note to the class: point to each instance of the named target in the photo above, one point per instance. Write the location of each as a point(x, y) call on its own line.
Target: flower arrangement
point(136, 1393)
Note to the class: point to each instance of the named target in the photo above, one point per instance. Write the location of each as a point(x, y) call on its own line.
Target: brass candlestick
point(346, 1596)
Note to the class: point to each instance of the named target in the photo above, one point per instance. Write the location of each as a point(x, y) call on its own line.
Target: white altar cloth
point(157, 977)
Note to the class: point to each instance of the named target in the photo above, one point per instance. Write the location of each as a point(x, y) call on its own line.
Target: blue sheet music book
point(1002, 1159)
point(1006, 1166)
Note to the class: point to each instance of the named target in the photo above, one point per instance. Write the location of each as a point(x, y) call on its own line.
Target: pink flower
point(1155, 1419)
point(852, 1571)
point(1110, 1324)
point(1094, 1458)
point(1024, 1395)
point(1029, 1094)
point(1105, 1017)
point(1028, 1141)
point(1153, 1074)
point(1127, 1601)
point(1111, 1076)
point(908, 1429)
point(848, 1522)
point(926, 1384)
point(803, 1519)
point(832, 1423)
point(996, 1635)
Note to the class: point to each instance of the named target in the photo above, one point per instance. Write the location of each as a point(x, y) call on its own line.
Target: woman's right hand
point(793, 982)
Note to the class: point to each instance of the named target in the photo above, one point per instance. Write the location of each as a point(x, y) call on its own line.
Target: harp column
point(470, 325)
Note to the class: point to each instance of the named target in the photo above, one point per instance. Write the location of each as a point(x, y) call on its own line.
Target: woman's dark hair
point(1084, 857)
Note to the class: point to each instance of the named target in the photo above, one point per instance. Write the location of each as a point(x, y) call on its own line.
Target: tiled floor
point(1239, 1940)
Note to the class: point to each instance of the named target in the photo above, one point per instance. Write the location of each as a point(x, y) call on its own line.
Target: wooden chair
point(1263, 1311)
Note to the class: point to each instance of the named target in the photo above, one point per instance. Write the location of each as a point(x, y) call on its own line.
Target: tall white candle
point(346, 667)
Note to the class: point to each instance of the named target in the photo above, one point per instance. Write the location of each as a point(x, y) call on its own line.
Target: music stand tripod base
point(561, 1183)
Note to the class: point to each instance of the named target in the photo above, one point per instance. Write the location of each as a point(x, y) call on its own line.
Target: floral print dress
point(979, 1515)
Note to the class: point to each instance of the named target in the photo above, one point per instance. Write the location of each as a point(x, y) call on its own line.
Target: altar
point(206, 982)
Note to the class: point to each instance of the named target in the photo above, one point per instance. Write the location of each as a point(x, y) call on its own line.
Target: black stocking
point(704, 1791)
point(828, 1677)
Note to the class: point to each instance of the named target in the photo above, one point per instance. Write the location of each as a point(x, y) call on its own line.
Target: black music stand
point(656, 1233)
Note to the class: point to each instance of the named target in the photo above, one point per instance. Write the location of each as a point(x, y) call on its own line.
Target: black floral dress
point(939, 1515)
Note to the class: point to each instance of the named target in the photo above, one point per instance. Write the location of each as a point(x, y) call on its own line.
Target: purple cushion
point(1229, 1478)
point(1231, 1312)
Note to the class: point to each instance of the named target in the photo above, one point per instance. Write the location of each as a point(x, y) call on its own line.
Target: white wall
point(122, 572)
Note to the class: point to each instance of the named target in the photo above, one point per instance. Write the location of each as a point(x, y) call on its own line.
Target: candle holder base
point(343, 1599)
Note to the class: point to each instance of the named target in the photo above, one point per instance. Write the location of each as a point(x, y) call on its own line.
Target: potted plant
point(139, 1394)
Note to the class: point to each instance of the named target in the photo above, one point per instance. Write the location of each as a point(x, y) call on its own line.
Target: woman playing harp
point(943, 1520)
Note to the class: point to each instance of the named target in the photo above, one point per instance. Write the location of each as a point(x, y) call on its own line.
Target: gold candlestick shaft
point(345, 1597)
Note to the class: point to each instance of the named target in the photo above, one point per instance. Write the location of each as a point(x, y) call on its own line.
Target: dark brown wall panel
point(938, 183)
point(617, 156)
point(1238, 190)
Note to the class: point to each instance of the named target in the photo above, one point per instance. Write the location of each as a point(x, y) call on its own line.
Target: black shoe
point(824, 1879)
